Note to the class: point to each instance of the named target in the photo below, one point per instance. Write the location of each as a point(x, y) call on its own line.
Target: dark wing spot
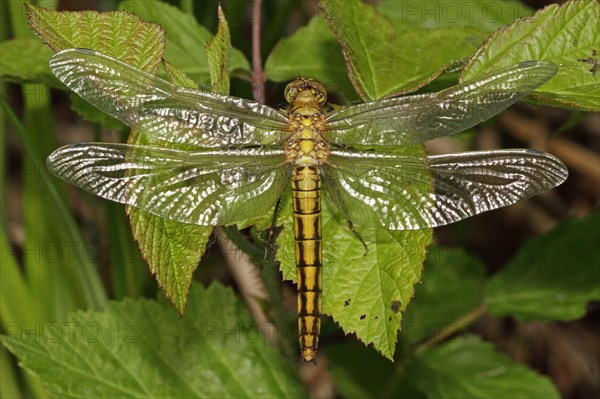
point(347, 302)
point(396, 306)
point(362, 317)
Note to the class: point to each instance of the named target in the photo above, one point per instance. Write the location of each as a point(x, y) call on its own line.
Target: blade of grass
point(17, 304)
point(85, 273)
point(51, 259)
point(17, 307)
point(44, 251)
point(9, 387)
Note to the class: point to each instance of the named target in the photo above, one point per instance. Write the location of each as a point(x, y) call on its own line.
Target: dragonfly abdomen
point(306, 194)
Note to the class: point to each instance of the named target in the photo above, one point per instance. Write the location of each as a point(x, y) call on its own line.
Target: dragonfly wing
point(207, 188)
point(163, 111)
point(414, 119)
point(409, 193)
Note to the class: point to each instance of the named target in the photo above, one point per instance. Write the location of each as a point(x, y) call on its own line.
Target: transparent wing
point(409, 193)
point(414, 119)
point(162, 110)
point(207, 188)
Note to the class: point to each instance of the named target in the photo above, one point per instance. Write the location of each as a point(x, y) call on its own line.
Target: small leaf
point(218, 50)
point(141, 349)
point(26, 60)
point(470, 368)
point(454, 276)
point(365, 294)
point(383, 62)
point(567, 35)
point(185, 38)
point(553, 276)
point(311, 52)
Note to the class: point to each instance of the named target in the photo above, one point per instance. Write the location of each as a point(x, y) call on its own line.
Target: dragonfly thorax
point(305, 143)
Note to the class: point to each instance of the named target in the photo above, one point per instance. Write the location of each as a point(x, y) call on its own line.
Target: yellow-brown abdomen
point(306, 193)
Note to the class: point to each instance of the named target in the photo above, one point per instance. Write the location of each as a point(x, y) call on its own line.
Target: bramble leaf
point(467, 367)
point(567, 35)
point(552, 277)
point(142, 349)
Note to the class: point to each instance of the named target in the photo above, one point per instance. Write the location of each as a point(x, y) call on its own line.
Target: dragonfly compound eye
point(291, 91)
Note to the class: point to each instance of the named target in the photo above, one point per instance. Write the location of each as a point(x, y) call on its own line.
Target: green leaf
point(218, 50)
point(567, 35)
point(365, 294)
point(452, 286)
point(185, 38)
point(121, 35)
point(553, 276)
point(483, 15)
point(118, 34)
point(26, 60)
point(172, 250)
point(311, 51)
point(17, 304)
point(470, 368)
point(177, 76)
point(383, 62)
point(142, 349)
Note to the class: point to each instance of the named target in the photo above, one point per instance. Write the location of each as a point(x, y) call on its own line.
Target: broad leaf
point(365, 294)
point(383, 62)
point(553, 276)
point(567, 35)
point(142, 349)
point(452, 287)
point(469, 368)
point(311, 52)
point(26, 60)
point(185, 38)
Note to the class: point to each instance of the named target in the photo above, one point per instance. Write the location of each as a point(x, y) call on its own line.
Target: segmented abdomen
point(306, 195)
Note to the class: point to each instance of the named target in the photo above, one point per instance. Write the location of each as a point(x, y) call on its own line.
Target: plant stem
point(258, 75)
point(453, 328)
point(271, 279)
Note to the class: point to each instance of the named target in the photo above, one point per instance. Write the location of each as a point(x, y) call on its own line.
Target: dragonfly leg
point(351, 227)
point(273, 230)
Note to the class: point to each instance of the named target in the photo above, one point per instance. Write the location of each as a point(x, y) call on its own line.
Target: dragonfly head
point(305, 90)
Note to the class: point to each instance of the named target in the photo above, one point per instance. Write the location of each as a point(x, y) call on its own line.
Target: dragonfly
point(214, 160)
